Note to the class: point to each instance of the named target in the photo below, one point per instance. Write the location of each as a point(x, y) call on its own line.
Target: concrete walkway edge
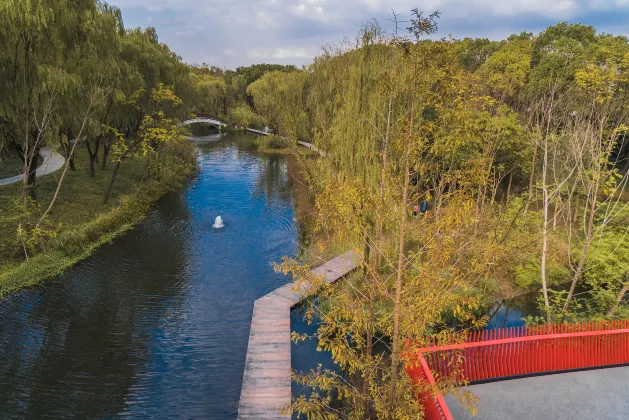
point(266, 383)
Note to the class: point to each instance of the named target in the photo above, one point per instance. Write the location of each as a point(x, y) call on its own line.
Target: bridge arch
point(204, 120)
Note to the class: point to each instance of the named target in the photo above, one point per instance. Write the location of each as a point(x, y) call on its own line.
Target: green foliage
point(527, 275)
point(277, 142)
point(256, 71)
point(242, 115)
point(279, 97)
point(274, 144)
point(545, 42)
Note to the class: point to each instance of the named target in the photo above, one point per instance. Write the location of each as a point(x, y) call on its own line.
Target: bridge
point(204, 120)
point(553, 371)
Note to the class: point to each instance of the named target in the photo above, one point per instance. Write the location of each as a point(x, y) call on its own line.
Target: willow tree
point(394, 118)
point(158, 130)
point(279, 98)
point(37, 40)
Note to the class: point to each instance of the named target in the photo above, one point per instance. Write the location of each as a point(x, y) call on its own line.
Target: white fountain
point(218, 223)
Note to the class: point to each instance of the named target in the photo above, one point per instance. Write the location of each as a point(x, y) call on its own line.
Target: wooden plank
point(266, 384)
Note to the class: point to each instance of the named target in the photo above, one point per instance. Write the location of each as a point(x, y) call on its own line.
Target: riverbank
point(80, 219)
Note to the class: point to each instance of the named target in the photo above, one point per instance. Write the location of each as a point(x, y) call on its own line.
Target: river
point(156, 324)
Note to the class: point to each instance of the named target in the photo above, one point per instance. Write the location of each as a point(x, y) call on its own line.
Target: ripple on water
point(156, 324)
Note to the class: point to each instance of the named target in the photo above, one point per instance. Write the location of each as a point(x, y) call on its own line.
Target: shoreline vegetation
point(84, 222)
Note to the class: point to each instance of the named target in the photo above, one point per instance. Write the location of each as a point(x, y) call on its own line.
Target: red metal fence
point(519, 351)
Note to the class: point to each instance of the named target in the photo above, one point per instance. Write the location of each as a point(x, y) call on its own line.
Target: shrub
point(243, 115)
point(528, 275)
point(277, 142)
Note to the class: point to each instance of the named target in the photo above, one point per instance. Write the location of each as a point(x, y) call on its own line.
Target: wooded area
point(517, 150)
point(108, 99)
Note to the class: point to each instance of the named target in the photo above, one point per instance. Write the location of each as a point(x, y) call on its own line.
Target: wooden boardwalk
point(301, 143)
point(266, 384)
point(253, 130)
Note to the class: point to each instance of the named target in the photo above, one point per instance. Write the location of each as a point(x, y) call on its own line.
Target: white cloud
point(291, 53)
point(282, 53)
point(310, 10)
point(479, 7)
point(264, 20)
point(608, 4)
point(185, 33)
point(292, 30)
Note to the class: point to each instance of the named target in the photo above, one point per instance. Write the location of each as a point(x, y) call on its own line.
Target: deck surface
point(266, 384)
point(601, 394)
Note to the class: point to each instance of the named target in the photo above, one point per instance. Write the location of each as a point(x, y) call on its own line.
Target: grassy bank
point(83, 222)
point(273, 144)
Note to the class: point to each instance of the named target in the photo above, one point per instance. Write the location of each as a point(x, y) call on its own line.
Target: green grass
point(85, 221)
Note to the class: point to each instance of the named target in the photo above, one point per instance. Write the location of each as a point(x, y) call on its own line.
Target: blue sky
point(229, 33)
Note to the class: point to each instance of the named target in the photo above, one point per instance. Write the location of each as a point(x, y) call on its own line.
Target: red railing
point(519, 351)
point(435, 408)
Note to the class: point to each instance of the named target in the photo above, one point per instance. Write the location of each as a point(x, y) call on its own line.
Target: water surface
point(156, 324)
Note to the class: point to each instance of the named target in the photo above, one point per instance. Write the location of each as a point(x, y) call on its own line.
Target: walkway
point(594, 394)
point(266, 384)
point(52, 162)
point(301, 143)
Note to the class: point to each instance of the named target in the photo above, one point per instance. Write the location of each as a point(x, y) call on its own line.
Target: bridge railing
point(435, 407)
point(522, 351)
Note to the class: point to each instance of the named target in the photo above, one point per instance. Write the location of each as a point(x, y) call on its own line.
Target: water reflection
point(512, 312)
point(156, 325)
point(203, 129)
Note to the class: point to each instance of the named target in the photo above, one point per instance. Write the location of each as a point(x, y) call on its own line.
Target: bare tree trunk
point(106, 148)
point(545, 231)
point(93, 155)
point(619, 298)
point(65, 170)
point(586, 247)
point(557, 210)
point(509, 187)
point(532, 177)
point(376, 252)
point(65, 146)
point(111, 183)
point(30, 158)
point(395, 356)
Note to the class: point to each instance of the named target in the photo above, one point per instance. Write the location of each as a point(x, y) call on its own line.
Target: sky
point(231, 33)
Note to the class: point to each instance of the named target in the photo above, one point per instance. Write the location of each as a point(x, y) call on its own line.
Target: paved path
point(601, 394)
point(52, 162)
point(266, 384)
